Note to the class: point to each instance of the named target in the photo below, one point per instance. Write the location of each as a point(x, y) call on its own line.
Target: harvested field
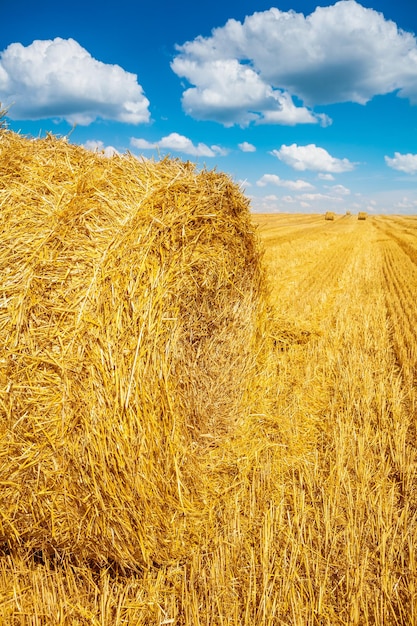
point(252, 459)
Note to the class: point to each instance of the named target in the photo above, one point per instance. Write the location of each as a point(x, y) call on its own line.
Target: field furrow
point(401, 285)
point(356, 495)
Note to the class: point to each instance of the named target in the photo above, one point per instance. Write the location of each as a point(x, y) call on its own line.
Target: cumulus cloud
point(143, 144)
point(403, 162)
point(311, 157)
point(247, 147)
point(407, 204)
point(266, 204)
point(251, 71)
point(340, 190)
point(314, 197)
point(219, 150)
point(233, 93)
point(100, 148)
point(58, 78)
point(179, 143)
point(273, 179)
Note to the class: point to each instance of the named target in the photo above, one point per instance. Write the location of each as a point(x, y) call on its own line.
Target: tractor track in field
point(321, 282)
point(400, 277)
point(294, 235)
point(389, 230)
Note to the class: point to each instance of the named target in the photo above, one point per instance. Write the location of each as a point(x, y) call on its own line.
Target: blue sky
point(310, 106)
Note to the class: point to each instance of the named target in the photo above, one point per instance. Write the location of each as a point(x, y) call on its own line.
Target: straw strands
point(129, 313)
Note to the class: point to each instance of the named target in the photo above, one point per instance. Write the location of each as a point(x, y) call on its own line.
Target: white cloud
point(250, 71)
point(314, 197)
point(289, 199)
point(325, 176)
point(311, 157)
point(306, 201)
point(403, 162)
point(143, 144)
point(219, 150)
point(389, 201)
point(233, 93)
point(58, 78)
point(340, 190)
point(247, 147)
point(100, 148)
point(179, 143)
point(287, 113)
point(406, 204)
point(273, 179)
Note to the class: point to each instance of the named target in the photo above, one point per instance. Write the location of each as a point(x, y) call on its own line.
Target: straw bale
point(362, 215)
point(329, 215)
point(129, 307)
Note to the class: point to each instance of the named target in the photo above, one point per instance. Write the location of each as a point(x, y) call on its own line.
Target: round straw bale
point(129, 297)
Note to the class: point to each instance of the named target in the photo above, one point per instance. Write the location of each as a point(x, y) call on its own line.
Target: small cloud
point(273, 179)
point(311, 157)
point(179, 143)
point(325, 176)
point(143, 144)
point(406, 163)
point(340, 190)
point(100, 148)
point(219, 150)
point(406, 204)
point(247, 147)
point(319, 197)
point(265, 204)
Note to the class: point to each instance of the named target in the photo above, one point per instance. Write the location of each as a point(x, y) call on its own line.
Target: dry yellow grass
point(129, 316)
point(299, 510)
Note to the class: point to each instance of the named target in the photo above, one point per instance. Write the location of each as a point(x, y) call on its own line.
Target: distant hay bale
point(362, 215)
point(330, 215)
point(129, 306)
